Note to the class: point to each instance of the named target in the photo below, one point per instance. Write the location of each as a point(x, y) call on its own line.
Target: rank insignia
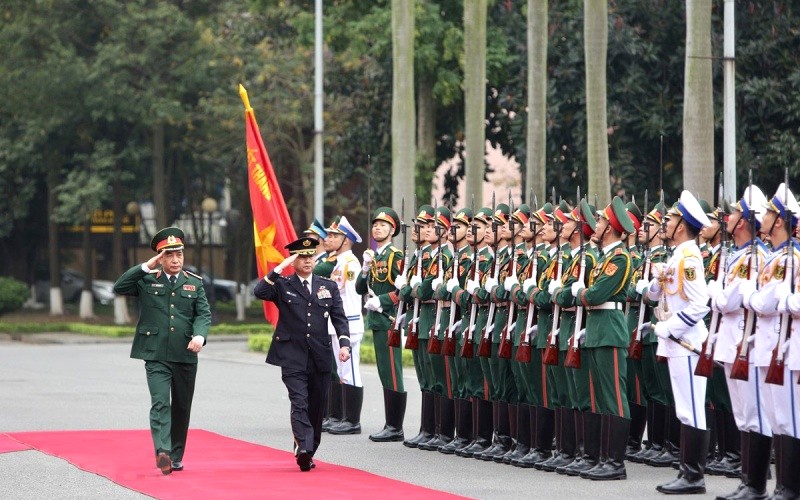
point(323, 293)
point(743, 271)
point(780, 272)
point(690, 273)
point(611, 268)
point(190, 288)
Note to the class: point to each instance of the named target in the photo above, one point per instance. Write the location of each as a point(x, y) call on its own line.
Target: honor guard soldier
point(680, 287)
point(324, 262)
point(173, 324)
point(379, 270)
point(317, 231)
point(343, 236)
point(301, 345)
point(607, 339)
point(765, 298)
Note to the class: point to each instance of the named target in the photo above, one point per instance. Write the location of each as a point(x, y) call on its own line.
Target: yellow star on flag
point(266, 252)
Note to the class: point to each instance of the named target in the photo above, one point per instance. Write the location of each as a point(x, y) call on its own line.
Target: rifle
point(469, 344)
point(550, 356)
point(485, 347)
point(705, 365)
point(776, 367)
point(635, 347)
point(506, 342)
point(524, 350)
point(412, 339)
point(573, 358)
point(449, 346)
point(741, 365)
point(394, 334)
point(434, 344)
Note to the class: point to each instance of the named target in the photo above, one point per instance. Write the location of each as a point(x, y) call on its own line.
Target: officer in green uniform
point(573, 383)
point(607, 339)
point(378, 272)
point(173, 325)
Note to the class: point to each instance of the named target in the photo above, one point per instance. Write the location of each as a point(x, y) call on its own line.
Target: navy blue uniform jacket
point(302, 329)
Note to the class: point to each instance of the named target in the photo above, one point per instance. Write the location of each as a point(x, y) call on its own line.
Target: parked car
point(72, 285)
point(224, 290)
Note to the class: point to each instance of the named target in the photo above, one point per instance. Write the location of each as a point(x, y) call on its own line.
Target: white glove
point(714, 288)
point(285, 263)
point(509, 283)
point(472, 285)
point(491, 284)
point(451, 284)
point(415, 280)
point(658, 270)
point(400, 282)
point(554, 285)
point(714, 304)
point(642, 286)
point(576, 288)
point(793, 304)
point(373, 304)
point(528, 284)
point(367, 259)
point(661, 330)
point(747, 288)
point(436, 283)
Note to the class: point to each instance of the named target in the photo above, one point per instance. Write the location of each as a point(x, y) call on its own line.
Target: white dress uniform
point(344, 274)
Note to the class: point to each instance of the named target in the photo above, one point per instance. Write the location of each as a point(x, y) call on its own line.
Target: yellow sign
point(102, 222)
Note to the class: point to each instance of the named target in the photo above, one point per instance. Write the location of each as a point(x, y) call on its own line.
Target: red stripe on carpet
point(9, 444)
point(215, 467)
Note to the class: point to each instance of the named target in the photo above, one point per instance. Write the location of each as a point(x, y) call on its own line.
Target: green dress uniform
point(171, 313)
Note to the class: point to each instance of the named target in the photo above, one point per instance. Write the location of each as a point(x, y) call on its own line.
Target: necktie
point(307, 286)
point(173, 279)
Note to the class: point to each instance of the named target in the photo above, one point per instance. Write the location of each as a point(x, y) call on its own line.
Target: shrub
point(13, 294)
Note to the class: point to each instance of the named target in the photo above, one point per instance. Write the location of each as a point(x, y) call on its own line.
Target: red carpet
point(8, 444)
point(216, 467)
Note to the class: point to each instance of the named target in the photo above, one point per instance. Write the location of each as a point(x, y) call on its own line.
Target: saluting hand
point(285, 263)
point(155, 260)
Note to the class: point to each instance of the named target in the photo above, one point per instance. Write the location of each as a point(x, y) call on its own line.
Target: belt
point(607, 306)
point(444, 304)
point(568, 309)
point(502, 304)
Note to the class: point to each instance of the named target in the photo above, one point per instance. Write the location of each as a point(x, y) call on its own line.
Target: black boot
point(502, 438)
point(656, 428)
point(463, 428)
point(335, 407)
point(786, 462)
point(482, 411)
point(534, 453)
point(638, 423)
point(524, 434)
point(590, 457)
point(427, 422)
point(755, 467)
point(353, 400)
point(730, 460)
point(617, 430)
point(445, 428)
point(545, 431)
point(394, 404)
point(672, 439)
point(565, 439)
point(694, 453)
point(513, 411)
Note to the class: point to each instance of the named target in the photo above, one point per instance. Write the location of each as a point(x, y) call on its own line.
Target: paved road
point(77, 382)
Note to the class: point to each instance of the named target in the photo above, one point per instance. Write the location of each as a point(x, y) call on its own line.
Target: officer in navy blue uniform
point(301, 345)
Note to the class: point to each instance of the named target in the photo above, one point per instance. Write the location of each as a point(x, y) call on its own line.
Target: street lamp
point(209, 206)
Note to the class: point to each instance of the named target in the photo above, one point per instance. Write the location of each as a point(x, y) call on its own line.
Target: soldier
point(324, 262)
point(342, 236)
point(746, 397)
point(680, 287)
point(764, 298)
point(173, 325)
point(377, 277)
point(607, 339)
point(317, 231)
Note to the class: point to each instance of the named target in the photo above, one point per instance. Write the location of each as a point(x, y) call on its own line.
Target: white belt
point(612, 306)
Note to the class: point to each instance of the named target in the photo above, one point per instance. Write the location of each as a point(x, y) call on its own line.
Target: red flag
point(272, 226)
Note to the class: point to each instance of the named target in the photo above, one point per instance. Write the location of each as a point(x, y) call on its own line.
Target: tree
point(403, 123)
point(595, 42)
point(535, 172)
point(474, 95)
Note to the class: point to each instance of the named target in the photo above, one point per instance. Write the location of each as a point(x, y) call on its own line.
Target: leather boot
point(545, 431)
point(513, 411)
point(482, 412)
point(573, 440)
point(715, 444)
point(672, 437)
point(523, 436)
point(786, 463)
point(335, 407)
point(590, 457)
point(755, 469)
point(616, 429)
point(656, 426)
point(638, 423)
point(534, 454)
point(427, 422)
point(565, 437)
point(731, 462)
point(445, 428)
point(395, 407)
point(463, 437)
point(353, 401)
point(777, 450)
point(694, 453)
point(502, 439)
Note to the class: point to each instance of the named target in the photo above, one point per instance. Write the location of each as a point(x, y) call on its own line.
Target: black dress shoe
point(164, 463)
point(177, 465)
point(313, 465)
point(304, 460)
point(683, 486)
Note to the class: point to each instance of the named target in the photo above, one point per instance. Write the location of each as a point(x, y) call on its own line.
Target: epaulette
point(331, 258)
point(618, 251)
point(394, 248)
point(189, 273)
point(687, 252)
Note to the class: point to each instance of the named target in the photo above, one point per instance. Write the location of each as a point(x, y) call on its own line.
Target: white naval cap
point(689, 208)
point(782, 201)
point(344, 227)
point(753, 199)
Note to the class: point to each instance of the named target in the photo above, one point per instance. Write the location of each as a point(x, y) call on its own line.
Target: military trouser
point(171, 388)
point(637, 392)
point(442, 370)
point(535, 378)
point(503, 377)
point(480, 324)
point(608, 373)
point(521, 381)
point(578, 386)
point(471, 381)
point(389, 361)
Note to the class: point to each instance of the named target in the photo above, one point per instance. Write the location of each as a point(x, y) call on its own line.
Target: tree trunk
point(121, 316)
point(159, 180)
point(86, 307)
point(56, 297)
point(426, 137)
point(403, 123)
point(475, 13)
point(595, 46)
point(535, 179)
point(698, 102)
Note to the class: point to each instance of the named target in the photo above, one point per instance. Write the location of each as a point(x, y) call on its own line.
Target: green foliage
point(12, 294)
point(124, 331)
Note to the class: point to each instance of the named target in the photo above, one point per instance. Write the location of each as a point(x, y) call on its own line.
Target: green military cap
point(617, 216)
point(583, 213)
point(706, 207)
point(463, 216)
point(443, 217)
point(386, 214)
point(317, 228)
point(522, 214)
point(302, 246)
point(560, 212)
point(169, 239)
point(657, 213)
point(635, 214)
point(484, 214)
point(544, 214)
point(334, 225)
point(501, 213)
point(425, 214)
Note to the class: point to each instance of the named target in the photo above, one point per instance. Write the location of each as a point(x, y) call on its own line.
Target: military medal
point(190, 288)
point(323, 293)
